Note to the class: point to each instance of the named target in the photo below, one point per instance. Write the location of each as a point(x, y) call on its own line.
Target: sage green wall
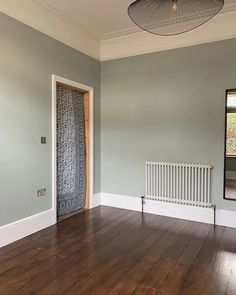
point(28, 58)
point(166, 106)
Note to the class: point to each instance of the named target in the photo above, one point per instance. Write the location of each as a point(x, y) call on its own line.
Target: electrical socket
point(41, 192)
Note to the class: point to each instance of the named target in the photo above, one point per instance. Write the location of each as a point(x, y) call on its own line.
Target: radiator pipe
point(214, 208)
point(142, 202)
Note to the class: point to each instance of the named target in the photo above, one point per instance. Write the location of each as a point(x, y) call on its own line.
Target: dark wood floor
point(113, 251)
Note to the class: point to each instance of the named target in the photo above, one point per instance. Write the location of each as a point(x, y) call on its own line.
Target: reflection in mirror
point(230, 145)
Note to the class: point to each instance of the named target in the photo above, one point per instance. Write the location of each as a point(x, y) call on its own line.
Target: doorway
point(72, 147)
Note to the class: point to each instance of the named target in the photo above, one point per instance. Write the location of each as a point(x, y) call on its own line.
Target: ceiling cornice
point(229, 7)
point(222, 27)
point(129, 42)
point(52, 24)
point(64, 17)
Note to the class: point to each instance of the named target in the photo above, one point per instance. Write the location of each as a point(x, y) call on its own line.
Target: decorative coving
point(129, 42)
point(53, 24)
point(134, 43)
point(228, 7)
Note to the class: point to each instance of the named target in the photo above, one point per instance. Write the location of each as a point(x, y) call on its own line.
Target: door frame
point(86, 89)
point(227, 91)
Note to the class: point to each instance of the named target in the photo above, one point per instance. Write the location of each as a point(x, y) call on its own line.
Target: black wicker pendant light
point(172, 17)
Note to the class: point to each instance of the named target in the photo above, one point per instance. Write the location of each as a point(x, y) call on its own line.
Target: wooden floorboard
point(114, 251)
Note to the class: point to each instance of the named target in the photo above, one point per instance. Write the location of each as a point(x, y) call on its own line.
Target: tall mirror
point(230, 145)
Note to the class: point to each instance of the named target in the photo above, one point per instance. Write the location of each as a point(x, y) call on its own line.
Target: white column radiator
point(188, 184)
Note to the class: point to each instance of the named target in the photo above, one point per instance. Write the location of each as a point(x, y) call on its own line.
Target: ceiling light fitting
point(172, 17)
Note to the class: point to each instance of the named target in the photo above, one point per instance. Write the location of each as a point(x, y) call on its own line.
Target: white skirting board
point(206, 215)
point(19, 229)
point(22, 228)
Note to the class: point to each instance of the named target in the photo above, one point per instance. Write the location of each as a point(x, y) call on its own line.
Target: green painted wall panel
point(28, 58)
point(166, 106)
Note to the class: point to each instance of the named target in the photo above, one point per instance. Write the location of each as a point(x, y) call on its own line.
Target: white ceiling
point(101, 19)
point(102, 28)
point(98, 17)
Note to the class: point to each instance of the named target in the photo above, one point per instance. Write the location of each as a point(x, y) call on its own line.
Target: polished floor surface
point(113, 251)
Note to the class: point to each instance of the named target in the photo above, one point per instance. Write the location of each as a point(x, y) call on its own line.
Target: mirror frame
point(225, 135)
